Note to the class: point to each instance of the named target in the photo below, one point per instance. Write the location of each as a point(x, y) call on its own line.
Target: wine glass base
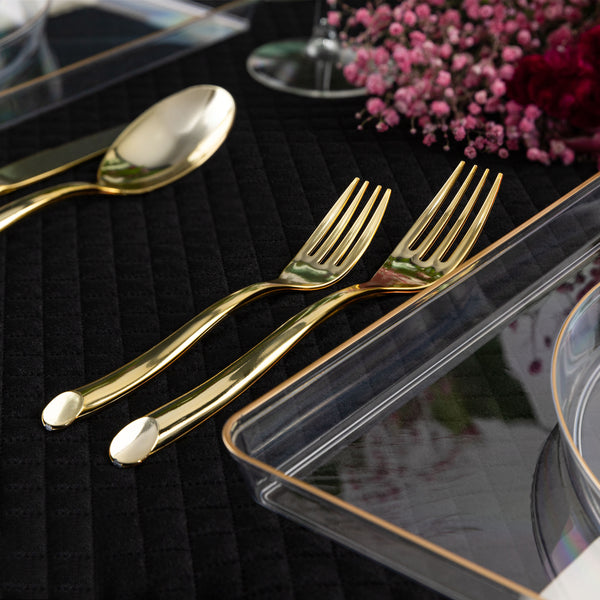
point(287, 66)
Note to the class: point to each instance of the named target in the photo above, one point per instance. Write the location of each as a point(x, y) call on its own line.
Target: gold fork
point(414, 264)
point(323, 260)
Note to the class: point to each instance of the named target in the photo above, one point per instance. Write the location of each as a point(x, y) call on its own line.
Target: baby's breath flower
point(458, 72)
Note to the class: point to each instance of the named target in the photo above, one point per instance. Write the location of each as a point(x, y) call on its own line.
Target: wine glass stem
point(318, 13)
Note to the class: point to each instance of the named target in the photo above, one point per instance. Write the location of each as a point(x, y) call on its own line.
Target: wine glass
point(307, 66)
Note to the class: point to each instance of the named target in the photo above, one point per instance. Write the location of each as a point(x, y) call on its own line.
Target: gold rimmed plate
point(417, 442)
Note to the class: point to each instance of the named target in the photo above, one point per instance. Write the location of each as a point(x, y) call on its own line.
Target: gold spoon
point(164, 143)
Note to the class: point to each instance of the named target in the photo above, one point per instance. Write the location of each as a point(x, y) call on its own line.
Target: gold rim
point(565, 431)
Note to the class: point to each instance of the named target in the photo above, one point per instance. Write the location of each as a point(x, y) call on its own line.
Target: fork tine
point(470, 237)
point(421, 223)
point(343, 246)
point(445, 244)
point(319, 252)
point(356, 248)
point(432, 236)
point(327, 221)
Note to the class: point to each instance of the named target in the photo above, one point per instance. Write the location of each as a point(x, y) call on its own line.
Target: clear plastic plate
point(87, 45)
point(429, 442)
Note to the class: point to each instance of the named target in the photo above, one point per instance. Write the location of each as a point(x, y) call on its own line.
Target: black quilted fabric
point(91, 282)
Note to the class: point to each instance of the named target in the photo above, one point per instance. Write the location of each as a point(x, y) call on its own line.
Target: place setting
point(342, 267)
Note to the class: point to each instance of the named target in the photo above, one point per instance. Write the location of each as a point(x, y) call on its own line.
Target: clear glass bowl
point(575, 390)
point(22, 25)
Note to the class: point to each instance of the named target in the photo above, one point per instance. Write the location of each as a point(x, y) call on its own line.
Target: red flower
point(589, 48)
point(565, 83)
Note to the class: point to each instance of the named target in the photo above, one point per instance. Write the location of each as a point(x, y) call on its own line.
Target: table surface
point(91, 282)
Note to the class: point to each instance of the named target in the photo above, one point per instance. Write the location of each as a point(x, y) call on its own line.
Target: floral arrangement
point(494, 75)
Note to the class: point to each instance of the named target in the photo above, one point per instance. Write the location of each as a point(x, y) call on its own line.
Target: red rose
point(538, 80)
point(585, 107)
point(589, 49)
point(564, 84)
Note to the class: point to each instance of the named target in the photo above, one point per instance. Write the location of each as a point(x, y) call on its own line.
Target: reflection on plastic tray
point(89, 44)
point(426, 441)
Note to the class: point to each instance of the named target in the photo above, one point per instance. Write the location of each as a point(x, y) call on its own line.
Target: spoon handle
point(21, 207)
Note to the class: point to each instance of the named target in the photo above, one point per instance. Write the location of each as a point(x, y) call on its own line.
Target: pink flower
point(493, 105)
point(363, 17)
point(480, 97)
point(532, 112)
point(537, 155)
point(381, 56)
point(362, 57)
point(489, 71)
point(396, 29)
point(449, 17)
point(470, 122)
point(375, 106)
point(423, 11)
point(486, 11)
point(391, 117)
point(512, 53)
point(506, 72)
point(376, 85)
point(479, 142)
point(351, 72)
point(459, 62)
point(410, 18)
point(429, 139)
point(567, 156)
point(498, 88)
point(445, 51)
point(459, 133)
point(402, 58)
point(526, 125)
point(470, 152)
point(334, 18)
point(440, 108)
point(443, 78)
point(553, 12)
point(524, 37)
point(383, 14)
point(417, 38)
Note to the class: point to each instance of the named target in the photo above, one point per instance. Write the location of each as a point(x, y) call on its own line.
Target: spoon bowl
point(166, 142)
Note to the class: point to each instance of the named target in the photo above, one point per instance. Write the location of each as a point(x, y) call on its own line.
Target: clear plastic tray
point(428, 442)
point(89, 44)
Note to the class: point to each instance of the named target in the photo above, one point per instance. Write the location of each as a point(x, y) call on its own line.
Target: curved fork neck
point(179, 416)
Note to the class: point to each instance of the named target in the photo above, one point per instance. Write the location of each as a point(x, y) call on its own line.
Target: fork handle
point(69, 406)
point(148, 434)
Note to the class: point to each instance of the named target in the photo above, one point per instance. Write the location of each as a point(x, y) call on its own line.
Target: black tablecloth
point(91, 282)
